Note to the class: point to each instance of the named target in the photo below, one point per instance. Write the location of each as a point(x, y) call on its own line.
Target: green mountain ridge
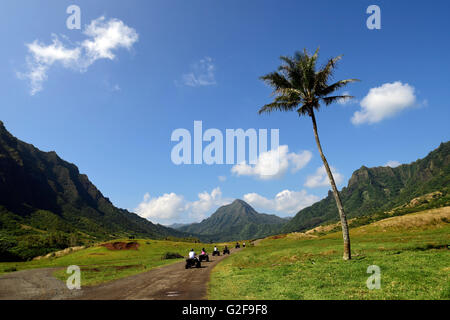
point(46, 204)
point(236, 221)
point(372, 190)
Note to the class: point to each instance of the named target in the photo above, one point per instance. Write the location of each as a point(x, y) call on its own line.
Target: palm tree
point(298, 86)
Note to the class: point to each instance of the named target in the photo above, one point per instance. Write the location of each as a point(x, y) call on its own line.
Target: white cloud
point(320, 178)
point(56, 51)
point(42, 57)
point(103, 38)
point(106, 36)
point(205, 204)
point(202, 74)
point(222, 178)
point(299, 160)
point(286, 201)
point(167, 207)
point(171, 207)
point(273, 164)
point(392, 164)
point(384, 102)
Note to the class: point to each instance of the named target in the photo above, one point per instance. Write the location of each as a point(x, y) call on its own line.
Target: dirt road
point(36, 284)
point(172, 282)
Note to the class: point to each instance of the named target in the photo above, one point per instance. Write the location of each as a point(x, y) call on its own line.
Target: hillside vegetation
point(411, 251)
point(47, 205)
point(375, 190)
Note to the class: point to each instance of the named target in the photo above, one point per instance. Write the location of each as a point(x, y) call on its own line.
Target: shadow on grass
point(429, 246)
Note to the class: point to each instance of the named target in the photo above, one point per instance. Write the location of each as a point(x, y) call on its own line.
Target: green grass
point(411, 251)
point(99, 264)
point(414, 262)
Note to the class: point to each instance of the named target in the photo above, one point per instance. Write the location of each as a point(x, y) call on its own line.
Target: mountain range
point(46, 204)
point(372, 190)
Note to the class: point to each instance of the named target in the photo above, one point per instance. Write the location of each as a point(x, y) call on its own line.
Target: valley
point(411, 251)
point(52, 217)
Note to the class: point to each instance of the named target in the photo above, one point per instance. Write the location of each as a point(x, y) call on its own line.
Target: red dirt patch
point(121, 245)
point(281, 236)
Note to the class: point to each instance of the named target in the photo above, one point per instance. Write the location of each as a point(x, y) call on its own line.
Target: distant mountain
point(236, 221)
point(177, 226)
point(46, 204)
point(376, 189)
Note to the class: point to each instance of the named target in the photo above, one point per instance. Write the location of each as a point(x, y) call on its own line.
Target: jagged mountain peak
point(235, 221)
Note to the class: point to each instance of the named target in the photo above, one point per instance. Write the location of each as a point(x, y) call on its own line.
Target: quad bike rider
point(237, 245)
point(226, 250)
point(216, 252)
point(243, 245)
point(203, 256)
point(192, 260)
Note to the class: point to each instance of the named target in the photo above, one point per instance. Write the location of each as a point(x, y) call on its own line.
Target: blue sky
point(200, 60)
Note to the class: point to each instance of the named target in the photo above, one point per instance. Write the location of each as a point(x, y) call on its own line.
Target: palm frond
point(291, 70)
point(326, 72)
point(335, 86)
point(277, 106)
point(277, 81)
point(329, 100)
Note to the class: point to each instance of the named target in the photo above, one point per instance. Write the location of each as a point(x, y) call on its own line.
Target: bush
point(171, 255)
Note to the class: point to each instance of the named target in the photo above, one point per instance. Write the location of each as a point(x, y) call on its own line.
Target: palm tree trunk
point(345, 234)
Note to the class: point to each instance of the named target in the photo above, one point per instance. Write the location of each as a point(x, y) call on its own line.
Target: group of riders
point(195, 260)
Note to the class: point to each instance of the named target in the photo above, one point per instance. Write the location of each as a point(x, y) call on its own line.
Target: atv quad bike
point(216, 253)
point(191, 263)
point(203, 257)
point(226, 251)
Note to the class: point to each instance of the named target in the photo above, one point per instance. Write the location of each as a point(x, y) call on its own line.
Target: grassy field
point(411, 251)
point(99, 264)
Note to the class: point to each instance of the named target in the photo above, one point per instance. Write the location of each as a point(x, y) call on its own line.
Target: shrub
point(171, 255)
